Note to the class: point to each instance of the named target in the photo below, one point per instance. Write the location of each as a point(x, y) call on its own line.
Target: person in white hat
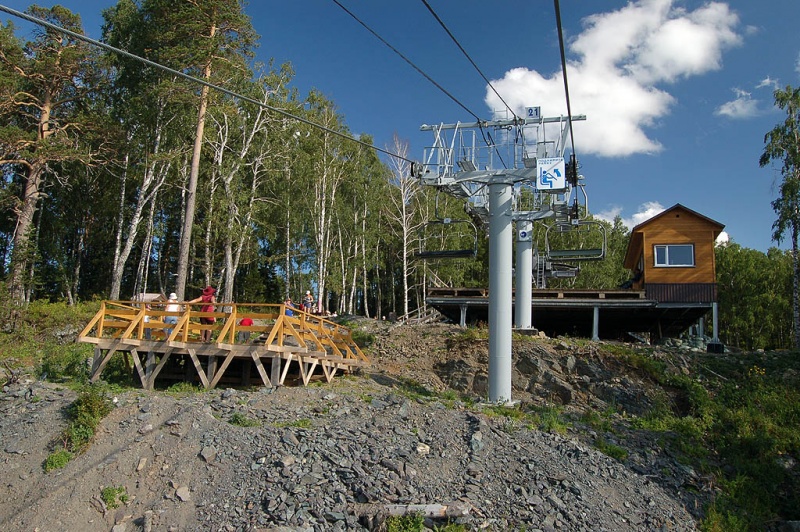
point(308, 302)
point(172, 306)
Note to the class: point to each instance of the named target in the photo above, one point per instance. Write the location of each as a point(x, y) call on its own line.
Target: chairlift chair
point(468, 229)
point(576, 254)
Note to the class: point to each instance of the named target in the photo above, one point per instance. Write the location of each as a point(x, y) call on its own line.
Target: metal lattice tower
point(506, 170)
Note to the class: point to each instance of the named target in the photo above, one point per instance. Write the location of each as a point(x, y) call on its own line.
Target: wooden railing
point(134, 323)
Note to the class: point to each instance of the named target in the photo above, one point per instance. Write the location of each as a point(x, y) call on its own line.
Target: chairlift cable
point(564, 71)
point(489, 142)
point(573, 157)
point(407, 60)
point(442, 24)
point(193, 79)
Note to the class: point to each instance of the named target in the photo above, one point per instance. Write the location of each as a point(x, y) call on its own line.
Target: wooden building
point(671, 257)
point(674, 251)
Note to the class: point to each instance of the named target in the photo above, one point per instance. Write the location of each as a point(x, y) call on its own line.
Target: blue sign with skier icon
point(552, 174)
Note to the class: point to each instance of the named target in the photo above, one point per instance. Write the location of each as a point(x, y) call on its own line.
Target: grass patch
point(113, 497)
point(85, 413)
point(241, 420)
point(405, 523)
point(362, 339)
point(302, 423)
point(610, 449)
point(183, 388)
point(57, 460)
point(549, 419)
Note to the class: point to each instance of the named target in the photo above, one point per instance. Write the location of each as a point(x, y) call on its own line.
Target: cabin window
point(674, 255)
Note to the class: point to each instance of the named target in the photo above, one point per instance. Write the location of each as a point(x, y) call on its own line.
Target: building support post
point(715, 346)
point(500, 304)
point(524, 271)
point(463, 309)
point(715, 322)
point(595, 323)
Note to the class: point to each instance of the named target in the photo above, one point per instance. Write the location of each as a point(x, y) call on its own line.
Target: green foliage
point(362, 338)
point(85, 413)
point(184, 388)
point(65, 362)
point(550, 419)
point(754, 291)
point(596, 421)
point(610, 449)
point(57, 460)
point(469, 334)
point(241, 420)
point(744, 414)
point(405, 523)
point(113, 497)
point(301, 423)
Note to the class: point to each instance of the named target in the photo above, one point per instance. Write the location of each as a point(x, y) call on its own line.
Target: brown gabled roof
point(636, 232)
point(674, 207)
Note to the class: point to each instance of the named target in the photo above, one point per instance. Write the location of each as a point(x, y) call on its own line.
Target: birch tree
point(402, 216)
point(782, 143)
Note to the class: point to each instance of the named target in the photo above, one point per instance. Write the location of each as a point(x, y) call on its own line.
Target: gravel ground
point(343, 456)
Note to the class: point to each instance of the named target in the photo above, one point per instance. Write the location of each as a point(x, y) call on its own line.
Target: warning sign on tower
point(551, 174)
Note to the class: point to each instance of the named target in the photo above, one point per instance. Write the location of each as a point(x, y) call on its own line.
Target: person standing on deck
point(208, 301)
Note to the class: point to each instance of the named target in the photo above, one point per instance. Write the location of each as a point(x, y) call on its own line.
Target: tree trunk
point(795, 287)
point(191, 192)
point(23, 252)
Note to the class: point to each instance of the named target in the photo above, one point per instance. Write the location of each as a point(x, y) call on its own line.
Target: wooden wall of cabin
point(680, 228)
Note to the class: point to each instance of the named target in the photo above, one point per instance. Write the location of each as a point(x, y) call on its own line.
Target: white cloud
point(645, 211)
point(743, 106)
point(723, 239)
point(768, 83)
point(622, 57)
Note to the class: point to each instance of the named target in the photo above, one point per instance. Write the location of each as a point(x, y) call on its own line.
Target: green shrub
point(610, 449)
point(65, 362)
point(183, 388)
point(113, 497)
point(405, 523)
point(240, 420)
point(85, 414)
point(57, 460)
point(549, 419)
point(362, 338)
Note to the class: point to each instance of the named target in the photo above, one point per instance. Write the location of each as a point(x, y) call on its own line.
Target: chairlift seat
point(447, 254)
point(576, 254)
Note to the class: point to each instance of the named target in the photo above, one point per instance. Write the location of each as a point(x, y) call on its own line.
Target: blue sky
point(678, 94)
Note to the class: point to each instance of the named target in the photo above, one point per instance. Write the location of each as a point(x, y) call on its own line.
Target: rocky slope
point(342, 456)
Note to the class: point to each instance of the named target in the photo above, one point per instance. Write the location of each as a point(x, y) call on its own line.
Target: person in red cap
point(208, 301)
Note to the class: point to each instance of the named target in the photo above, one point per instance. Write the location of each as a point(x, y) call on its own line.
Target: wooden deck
point(278, 346)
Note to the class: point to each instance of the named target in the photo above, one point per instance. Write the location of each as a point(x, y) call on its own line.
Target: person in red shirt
point(208, 301)
point(244, 336)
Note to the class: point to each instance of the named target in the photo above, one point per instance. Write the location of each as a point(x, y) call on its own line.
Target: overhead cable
point(564, 71)
point(441, 23)
point(193, 79)
point(407, 60)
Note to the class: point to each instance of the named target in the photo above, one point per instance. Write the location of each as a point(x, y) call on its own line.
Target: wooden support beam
point(198, 367)
point(139, 369)
point(221, 370)
point(260, 367)
point(159, 367)
point(98, 369)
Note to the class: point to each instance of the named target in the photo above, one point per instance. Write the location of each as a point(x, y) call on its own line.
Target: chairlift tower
point(506, 170)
